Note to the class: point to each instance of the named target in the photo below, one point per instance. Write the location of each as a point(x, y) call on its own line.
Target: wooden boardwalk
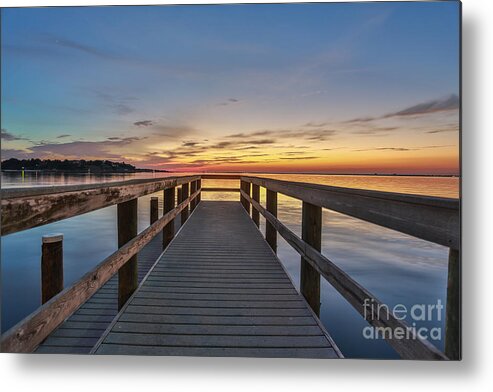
point(218, 290)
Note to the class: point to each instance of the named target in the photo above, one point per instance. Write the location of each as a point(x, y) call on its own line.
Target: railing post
point(127, 229)
point(169, 204)
point(193, 188)
point(453, 310)
point(51, 266)
point(270, 231)
point(154, 209)
point(245, 187)
point(256, 197)
point(184, 196)
point(311, 233)
point(242, 188)
point(199, 187)
point(178, 196)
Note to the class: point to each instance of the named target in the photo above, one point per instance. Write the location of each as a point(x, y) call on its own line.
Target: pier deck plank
point(218, 290)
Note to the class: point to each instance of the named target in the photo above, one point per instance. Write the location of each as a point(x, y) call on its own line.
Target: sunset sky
point(343, 88)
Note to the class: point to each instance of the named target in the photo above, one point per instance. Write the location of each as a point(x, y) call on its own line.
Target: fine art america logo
point(417, 313)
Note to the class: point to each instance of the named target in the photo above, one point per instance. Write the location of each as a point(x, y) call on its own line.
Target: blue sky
point(150, 85)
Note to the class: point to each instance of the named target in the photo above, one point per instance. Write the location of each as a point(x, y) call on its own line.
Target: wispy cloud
point(143, 123)
point(229, 101)
point(7, 136)
point(403, 148)
point(445, 104)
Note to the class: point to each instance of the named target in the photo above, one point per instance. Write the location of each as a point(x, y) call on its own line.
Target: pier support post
point(453, 349)
point(311, 233)
point(169, 204)
point(127, 229)
point(199, 187)
point(245, 187)
point(270, 231)
point(193, 188)
point(51, 266)
point(256, 197)
point(184, 196)
point(154, 209)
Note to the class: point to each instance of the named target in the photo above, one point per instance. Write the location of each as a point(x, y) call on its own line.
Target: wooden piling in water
point(51, 266)
point(311, 233)
point(154, 209)
point(453, 349)
point(127, 229)
point(270, 230)
point(169, 204)
point(256, 197)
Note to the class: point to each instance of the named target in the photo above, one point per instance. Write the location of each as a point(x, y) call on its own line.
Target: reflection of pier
point(218, 289)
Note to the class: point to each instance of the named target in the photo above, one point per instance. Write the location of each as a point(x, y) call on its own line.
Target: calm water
point(398, 269)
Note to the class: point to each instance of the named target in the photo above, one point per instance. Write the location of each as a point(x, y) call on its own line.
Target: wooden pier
point(218, 288)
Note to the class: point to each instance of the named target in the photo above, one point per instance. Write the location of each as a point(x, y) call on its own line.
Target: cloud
point(446, 104)
point(9, 137)
point(144, 123)
point(190, 144)
point(81, 47)
point(451, 102)
point(403, 148)
point(298, 158)
point(321, 134)
point(229, 101)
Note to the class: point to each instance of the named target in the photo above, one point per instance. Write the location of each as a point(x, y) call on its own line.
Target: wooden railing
point(429, 218)
point(26, 208)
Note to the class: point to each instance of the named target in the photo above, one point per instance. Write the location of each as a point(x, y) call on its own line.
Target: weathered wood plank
point(207, 329)
point(234, 341)
point(113, 349)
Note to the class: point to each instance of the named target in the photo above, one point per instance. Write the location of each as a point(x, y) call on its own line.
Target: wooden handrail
point(352, 291)
point(27, 208)
point(432, 219)
point(26, 335)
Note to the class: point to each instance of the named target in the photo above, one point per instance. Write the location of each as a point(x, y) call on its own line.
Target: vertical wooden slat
point(184, 196)
point(51, 266)
point(193, 188)
point(154, 209)
point(127, 229)
point(199, 187)
point(169, 204)
point(453, 349)
point(256, 197)
point(311, 233)
point(178, 196)
point(270, 231)
point(242, 199)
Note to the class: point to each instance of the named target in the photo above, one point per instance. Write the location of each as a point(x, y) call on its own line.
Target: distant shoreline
point(240, 173)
